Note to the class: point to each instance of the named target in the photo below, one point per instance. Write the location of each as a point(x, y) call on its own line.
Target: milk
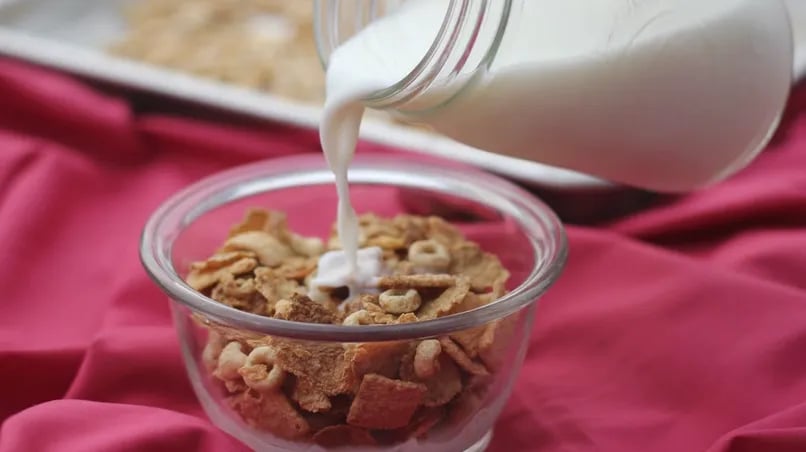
point(668, 95)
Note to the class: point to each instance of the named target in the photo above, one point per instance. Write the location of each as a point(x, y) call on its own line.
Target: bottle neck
point(464, 47)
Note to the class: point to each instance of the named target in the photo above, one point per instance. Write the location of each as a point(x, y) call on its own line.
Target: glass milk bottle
point(668, 95)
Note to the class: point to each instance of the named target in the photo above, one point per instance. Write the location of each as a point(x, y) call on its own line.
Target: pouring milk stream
point(668, 95)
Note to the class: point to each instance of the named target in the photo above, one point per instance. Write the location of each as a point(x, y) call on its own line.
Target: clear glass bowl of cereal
point(423, 360)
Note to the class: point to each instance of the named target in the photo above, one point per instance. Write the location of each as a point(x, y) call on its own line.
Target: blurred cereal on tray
point(266, 45)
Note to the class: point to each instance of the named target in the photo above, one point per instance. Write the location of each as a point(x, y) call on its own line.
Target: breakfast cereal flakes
point(349, 395)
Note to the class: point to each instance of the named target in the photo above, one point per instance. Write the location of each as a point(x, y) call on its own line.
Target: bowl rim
point(535, 219)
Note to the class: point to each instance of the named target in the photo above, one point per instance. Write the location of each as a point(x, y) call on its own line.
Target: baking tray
point(72, 35)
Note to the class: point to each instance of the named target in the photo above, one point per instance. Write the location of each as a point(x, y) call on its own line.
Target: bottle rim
point(458, 35)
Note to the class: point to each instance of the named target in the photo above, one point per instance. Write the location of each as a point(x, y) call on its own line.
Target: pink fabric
point(679, 329)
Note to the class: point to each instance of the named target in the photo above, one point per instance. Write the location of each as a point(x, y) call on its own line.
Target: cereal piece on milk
point(273, 412)
point(384, 404)
point(343, 435)
point(416, 281)
point(204, 275)
point(460, 357)
point(323, 365)
point(240, 293)
point(300, 308)
point(270, 251)
point(446, 301)
point(262, 220)
point(309, 398)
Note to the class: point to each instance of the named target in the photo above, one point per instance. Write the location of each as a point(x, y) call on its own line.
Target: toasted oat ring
point(259, 371)
point(400, 301)
point(429, 255)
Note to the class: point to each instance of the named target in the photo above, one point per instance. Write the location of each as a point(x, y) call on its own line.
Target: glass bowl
point(504, 220)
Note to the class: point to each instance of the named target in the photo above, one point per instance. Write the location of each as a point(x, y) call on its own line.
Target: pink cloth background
point(682, 328)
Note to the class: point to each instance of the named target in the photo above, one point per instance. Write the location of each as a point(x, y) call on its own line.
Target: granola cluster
point(336, 394)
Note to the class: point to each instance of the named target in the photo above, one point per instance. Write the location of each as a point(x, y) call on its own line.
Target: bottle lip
point(458, 35)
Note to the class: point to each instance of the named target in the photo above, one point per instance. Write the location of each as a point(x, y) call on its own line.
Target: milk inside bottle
point(667, 95)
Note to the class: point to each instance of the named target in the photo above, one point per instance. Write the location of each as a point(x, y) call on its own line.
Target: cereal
point(269, 250)
point(443, 386)
point(309, 398)
point(240, 293)
point(271, 222)
point(408, 317)
point(271, 411)
point(474, 300)
point(416, 281)
point(231, 359)
point(297, 268)
point(365, 317)
point(307, 246)
point(429, 255)
point(483, 269)
point(259, 371)
point(212, 350)
point(302, 309)
point(460, 357)
point(382, 358)
point(384, 404)
point(400, 301)
point(274, 287)
point(446, 301)
point(426, 358)
point(353, 394)
point(495, 341)
point(440, 375)
point(204, 275)
point(469, 339)
point(323, 364)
